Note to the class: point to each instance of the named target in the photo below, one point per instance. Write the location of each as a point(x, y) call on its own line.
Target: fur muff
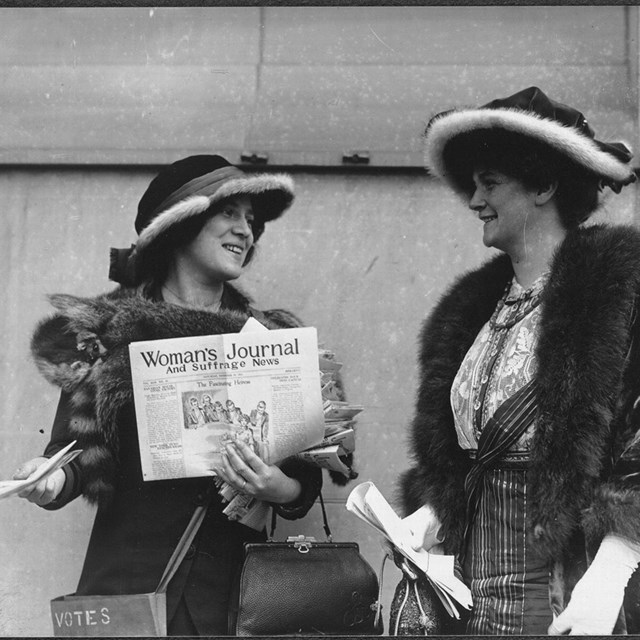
point(586, 398)
point(83, 349)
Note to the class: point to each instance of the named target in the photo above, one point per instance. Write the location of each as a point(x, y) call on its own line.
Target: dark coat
point(586, 451)
point(138, 524)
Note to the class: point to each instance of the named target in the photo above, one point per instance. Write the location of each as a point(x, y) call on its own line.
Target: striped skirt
point(509, 583)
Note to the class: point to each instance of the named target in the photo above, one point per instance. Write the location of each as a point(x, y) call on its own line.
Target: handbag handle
point(378, 619)
point(183, 546)
point(325, 525)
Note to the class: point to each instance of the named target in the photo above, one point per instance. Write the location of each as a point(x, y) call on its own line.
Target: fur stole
point(585, 402)
point(83, 349)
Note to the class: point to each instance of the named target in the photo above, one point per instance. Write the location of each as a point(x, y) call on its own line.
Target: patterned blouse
point(514, 367)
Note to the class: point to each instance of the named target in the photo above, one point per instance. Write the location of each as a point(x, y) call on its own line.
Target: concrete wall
point(363, 257)
point(303, 85)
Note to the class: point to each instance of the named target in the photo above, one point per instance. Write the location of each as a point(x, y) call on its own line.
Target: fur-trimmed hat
point(188, 188)
point(529, 114)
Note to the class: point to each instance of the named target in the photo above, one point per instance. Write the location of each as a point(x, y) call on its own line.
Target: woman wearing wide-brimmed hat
point(197, 225)
point(525, 441)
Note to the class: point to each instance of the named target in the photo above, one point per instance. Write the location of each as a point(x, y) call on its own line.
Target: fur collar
point(583, 345)
point(83, 349)
point(585, 338)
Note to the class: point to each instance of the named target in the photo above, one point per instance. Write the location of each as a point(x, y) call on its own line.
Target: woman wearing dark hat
point(525, 440)
point(198, 223)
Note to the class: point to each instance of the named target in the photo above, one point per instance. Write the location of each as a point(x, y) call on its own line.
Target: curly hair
point(533, 163)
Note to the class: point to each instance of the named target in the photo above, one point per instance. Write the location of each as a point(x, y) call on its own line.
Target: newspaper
point(339, 418)
point(10, 488)
point(331, 458)
point(366, 502)
point(332, 451)
point(194, 394)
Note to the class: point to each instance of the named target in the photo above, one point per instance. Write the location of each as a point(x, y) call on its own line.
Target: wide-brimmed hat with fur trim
point(530, 114)
point(187, 189)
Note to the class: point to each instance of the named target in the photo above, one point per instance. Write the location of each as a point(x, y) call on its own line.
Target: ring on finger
point(244, 484)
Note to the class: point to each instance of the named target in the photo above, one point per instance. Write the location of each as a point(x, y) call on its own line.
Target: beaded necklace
point(517, 306)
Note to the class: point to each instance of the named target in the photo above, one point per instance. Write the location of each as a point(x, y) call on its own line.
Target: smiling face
point(504, 205)
point(219, 251)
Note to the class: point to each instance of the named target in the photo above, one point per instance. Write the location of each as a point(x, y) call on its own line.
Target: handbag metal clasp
point(302, 543)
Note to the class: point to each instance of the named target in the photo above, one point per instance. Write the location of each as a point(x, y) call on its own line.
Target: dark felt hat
point(187, 189)
point(531, 114)
point(190, 186)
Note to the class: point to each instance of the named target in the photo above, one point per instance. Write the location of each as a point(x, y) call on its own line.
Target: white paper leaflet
point(13, 487)
point(366, 502)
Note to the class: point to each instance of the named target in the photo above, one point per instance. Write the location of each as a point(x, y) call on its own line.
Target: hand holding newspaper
point(195, 395)
point(331, 453)
point(272, 390)
point(13, 487)
point(366, 502)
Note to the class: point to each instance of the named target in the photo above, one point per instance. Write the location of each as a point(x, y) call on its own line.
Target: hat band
point(205, 185)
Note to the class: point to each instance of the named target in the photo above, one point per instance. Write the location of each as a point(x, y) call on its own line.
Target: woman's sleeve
point(59, 439)
point(310, 479)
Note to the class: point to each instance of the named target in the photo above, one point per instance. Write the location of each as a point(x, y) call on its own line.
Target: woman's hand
point(47, 490)
point(592, 610)
point(246, 472)
point(597, 597)
point(424, 527)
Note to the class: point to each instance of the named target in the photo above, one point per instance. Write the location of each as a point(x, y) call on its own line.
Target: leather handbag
point(141, 614)
point(302, 586)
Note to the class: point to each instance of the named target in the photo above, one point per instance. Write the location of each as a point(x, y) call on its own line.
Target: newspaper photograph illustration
point(194, 394)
